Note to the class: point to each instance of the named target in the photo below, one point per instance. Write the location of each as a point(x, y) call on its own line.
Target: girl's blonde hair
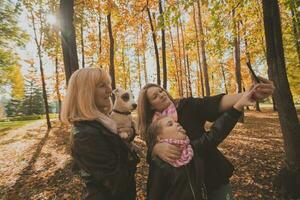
point(154, 130)
point(79, 103)
point(145, 110)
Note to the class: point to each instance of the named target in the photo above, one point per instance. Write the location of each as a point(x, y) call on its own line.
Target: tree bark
point(57, 84)
point(82, 45)
point(175, 61)
point(200, 76)
point(180, 61)
point(155, 46)
point(203, 53)
point(99, 36)
point(68, 37)
point(144, 56)
point(224, 78)
point(163, 45)
point(296, 25)
point(184, 58)
point(237, 58)
point(38, 42)
point(189, 75)
point(288, 179)
point(250, 66)
point(111, 52)
point(138, 61)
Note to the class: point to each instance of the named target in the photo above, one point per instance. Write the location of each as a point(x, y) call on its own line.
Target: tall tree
point(163, 44)
point(203, 53)
point(111, 51)
point(294, 7)
point(288, 179)
point(155, 44)
point(199, 74)
point(37, 20)
point(68, 37)
point(11, 36)
point(237, 56)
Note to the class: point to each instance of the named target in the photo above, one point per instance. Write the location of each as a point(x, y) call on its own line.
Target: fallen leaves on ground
point(43, 169)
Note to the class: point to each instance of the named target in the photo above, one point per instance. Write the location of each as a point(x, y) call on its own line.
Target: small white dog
point(122, 108)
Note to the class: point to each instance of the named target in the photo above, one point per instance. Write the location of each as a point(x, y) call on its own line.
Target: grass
point(5, 126)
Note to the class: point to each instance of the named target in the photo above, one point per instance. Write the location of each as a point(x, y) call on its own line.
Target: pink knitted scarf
point(169, 111)
point(187, 151)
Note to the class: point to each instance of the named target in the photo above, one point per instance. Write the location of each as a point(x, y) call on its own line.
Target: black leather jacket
point(106, 163)
point(166, 182)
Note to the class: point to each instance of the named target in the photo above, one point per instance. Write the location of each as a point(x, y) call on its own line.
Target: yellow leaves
point(17, 80)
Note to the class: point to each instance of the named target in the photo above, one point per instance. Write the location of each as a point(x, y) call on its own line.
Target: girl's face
point(171, 129)
point(158, 98)
point(102, 95)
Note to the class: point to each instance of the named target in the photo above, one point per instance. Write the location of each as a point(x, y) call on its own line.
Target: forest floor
point(35, 163)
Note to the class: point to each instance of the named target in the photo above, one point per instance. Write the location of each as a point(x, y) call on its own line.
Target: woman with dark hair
point(192, 113)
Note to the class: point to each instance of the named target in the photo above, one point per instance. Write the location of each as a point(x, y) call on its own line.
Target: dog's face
point(124, 100)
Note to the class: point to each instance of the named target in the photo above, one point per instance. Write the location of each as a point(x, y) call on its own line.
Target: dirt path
point(16, 148)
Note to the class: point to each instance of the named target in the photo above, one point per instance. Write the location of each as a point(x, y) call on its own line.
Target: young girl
point(185, 178)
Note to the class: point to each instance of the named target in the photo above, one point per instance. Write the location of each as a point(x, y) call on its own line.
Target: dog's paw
point(124, 135)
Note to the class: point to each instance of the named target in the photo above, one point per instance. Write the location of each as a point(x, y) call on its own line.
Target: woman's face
point(158, 98)
point(171, 129)
point(102, 95)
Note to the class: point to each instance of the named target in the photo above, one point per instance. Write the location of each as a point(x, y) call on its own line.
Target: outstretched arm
point(262, 91)
point(223, 125)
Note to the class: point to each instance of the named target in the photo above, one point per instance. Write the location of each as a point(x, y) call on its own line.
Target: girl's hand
point(264, 89)
point(167, 152)
point(246, 100)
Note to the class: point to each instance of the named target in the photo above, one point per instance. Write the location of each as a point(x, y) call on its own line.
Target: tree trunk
point(202, 44)
point(155, 46)
point(99, 36)
point(237, 58)
point(296, 25)
point(144, 56)
point(249, 64)
point(124, 66)
point(57, 84)
point(189, 76)
point(138, 61)
point(288, 179)
point(180, 61)
point(111, 52)
point(163, 44)
point(38, 42)
point(224, 78)
point(82, 45)
point(184, 58)
point(44, 89)
point(176, 62)
point(68, 37)
point(199, 74)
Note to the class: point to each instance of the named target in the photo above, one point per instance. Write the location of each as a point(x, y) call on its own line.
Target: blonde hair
point(154, 130)
point(145, 111)
point(79, 103)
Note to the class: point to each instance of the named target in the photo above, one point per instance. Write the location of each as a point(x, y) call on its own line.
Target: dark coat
point(105, 162)
point(192, 115)
point(166, 182)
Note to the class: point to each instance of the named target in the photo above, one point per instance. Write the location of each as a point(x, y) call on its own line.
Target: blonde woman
point(192, 113)
point(106, 164)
